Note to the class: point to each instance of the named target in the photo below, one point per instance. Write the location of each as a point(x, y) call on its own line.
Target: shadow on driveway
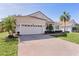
point(34, 37)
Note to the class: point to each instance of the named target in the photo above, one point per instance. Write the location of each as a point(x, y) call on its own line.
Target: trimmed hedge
point(57, 33)
point(51, 32)
point(60, 34)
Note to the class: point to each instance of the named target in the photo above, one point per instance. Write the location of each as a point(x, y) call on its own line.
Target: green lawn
point(7, 48)
point(72, 37)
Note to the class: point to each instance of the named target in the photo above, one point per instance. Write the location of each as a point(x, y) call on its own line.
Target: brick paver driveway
point(45, 45)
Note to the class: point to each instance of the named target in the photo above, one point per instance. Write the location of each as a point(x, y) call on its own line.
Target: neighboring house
point(69, 25)
point(34, 23)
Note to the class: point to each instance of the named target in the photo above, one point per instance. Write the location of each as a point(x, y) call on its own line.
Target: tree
point(65, 17)
point(1, 26)
point(76, 28)
point(49, 27)
point(9, 24)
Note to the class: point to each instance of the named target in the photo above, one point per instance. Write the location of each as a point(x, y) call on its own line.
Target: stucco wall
point(27, 20)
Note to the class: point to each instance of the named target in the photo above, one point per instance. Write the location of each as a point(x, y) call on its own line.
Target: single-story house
point(69, 25)
point(34, 23)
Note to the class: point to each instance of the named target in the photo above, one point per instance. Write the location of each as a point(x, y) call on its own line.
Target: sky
point(51, 10)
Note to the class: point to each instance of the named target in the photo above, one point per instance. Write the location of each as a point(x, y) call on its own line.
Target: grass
point(72, 37)
point(8, 48)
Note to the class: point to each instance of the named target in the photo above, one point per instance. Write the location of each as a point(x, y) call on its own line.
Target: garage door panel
point(31, 30)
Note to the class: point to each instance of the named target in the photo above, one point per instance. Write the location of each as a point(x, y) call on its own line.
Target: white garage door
point(31, 29)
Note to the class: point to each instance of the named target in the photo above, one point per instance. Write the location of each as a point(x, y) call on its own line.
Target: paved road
point(45, 45)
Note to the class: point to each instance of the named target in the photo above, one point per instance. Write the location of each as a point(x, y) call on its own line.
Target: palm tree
point(65, 17)
point(9, 24)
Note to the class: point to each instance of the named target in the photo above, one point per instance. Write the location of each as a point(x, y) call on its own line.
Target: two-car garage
point(30, 29)
point(29, 25)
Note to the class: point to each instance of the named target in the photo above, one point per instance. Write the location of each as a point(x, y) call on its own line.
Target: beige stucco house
point(34, 23)
point(69, 25)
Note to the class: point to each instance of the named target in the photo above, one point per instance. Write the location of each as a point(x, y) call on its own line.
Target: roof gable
point(40, 15)
point(72, 21)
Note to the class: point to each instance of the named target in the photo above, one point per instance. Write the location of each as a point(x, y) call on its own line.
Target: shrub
point(59, 31)
point(60, 34)
point(49, 27)
point(51, 32)
point(66, 31)
point(10, 36)
point(18, 33)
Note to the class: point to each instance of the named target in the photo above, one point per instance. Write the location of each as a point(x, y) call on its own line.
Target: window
point(22, 24)
point(28, 25)
point(18, 25)
point(31, 25)
point(25, 25)
point(40, 25)
point(36, 25)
